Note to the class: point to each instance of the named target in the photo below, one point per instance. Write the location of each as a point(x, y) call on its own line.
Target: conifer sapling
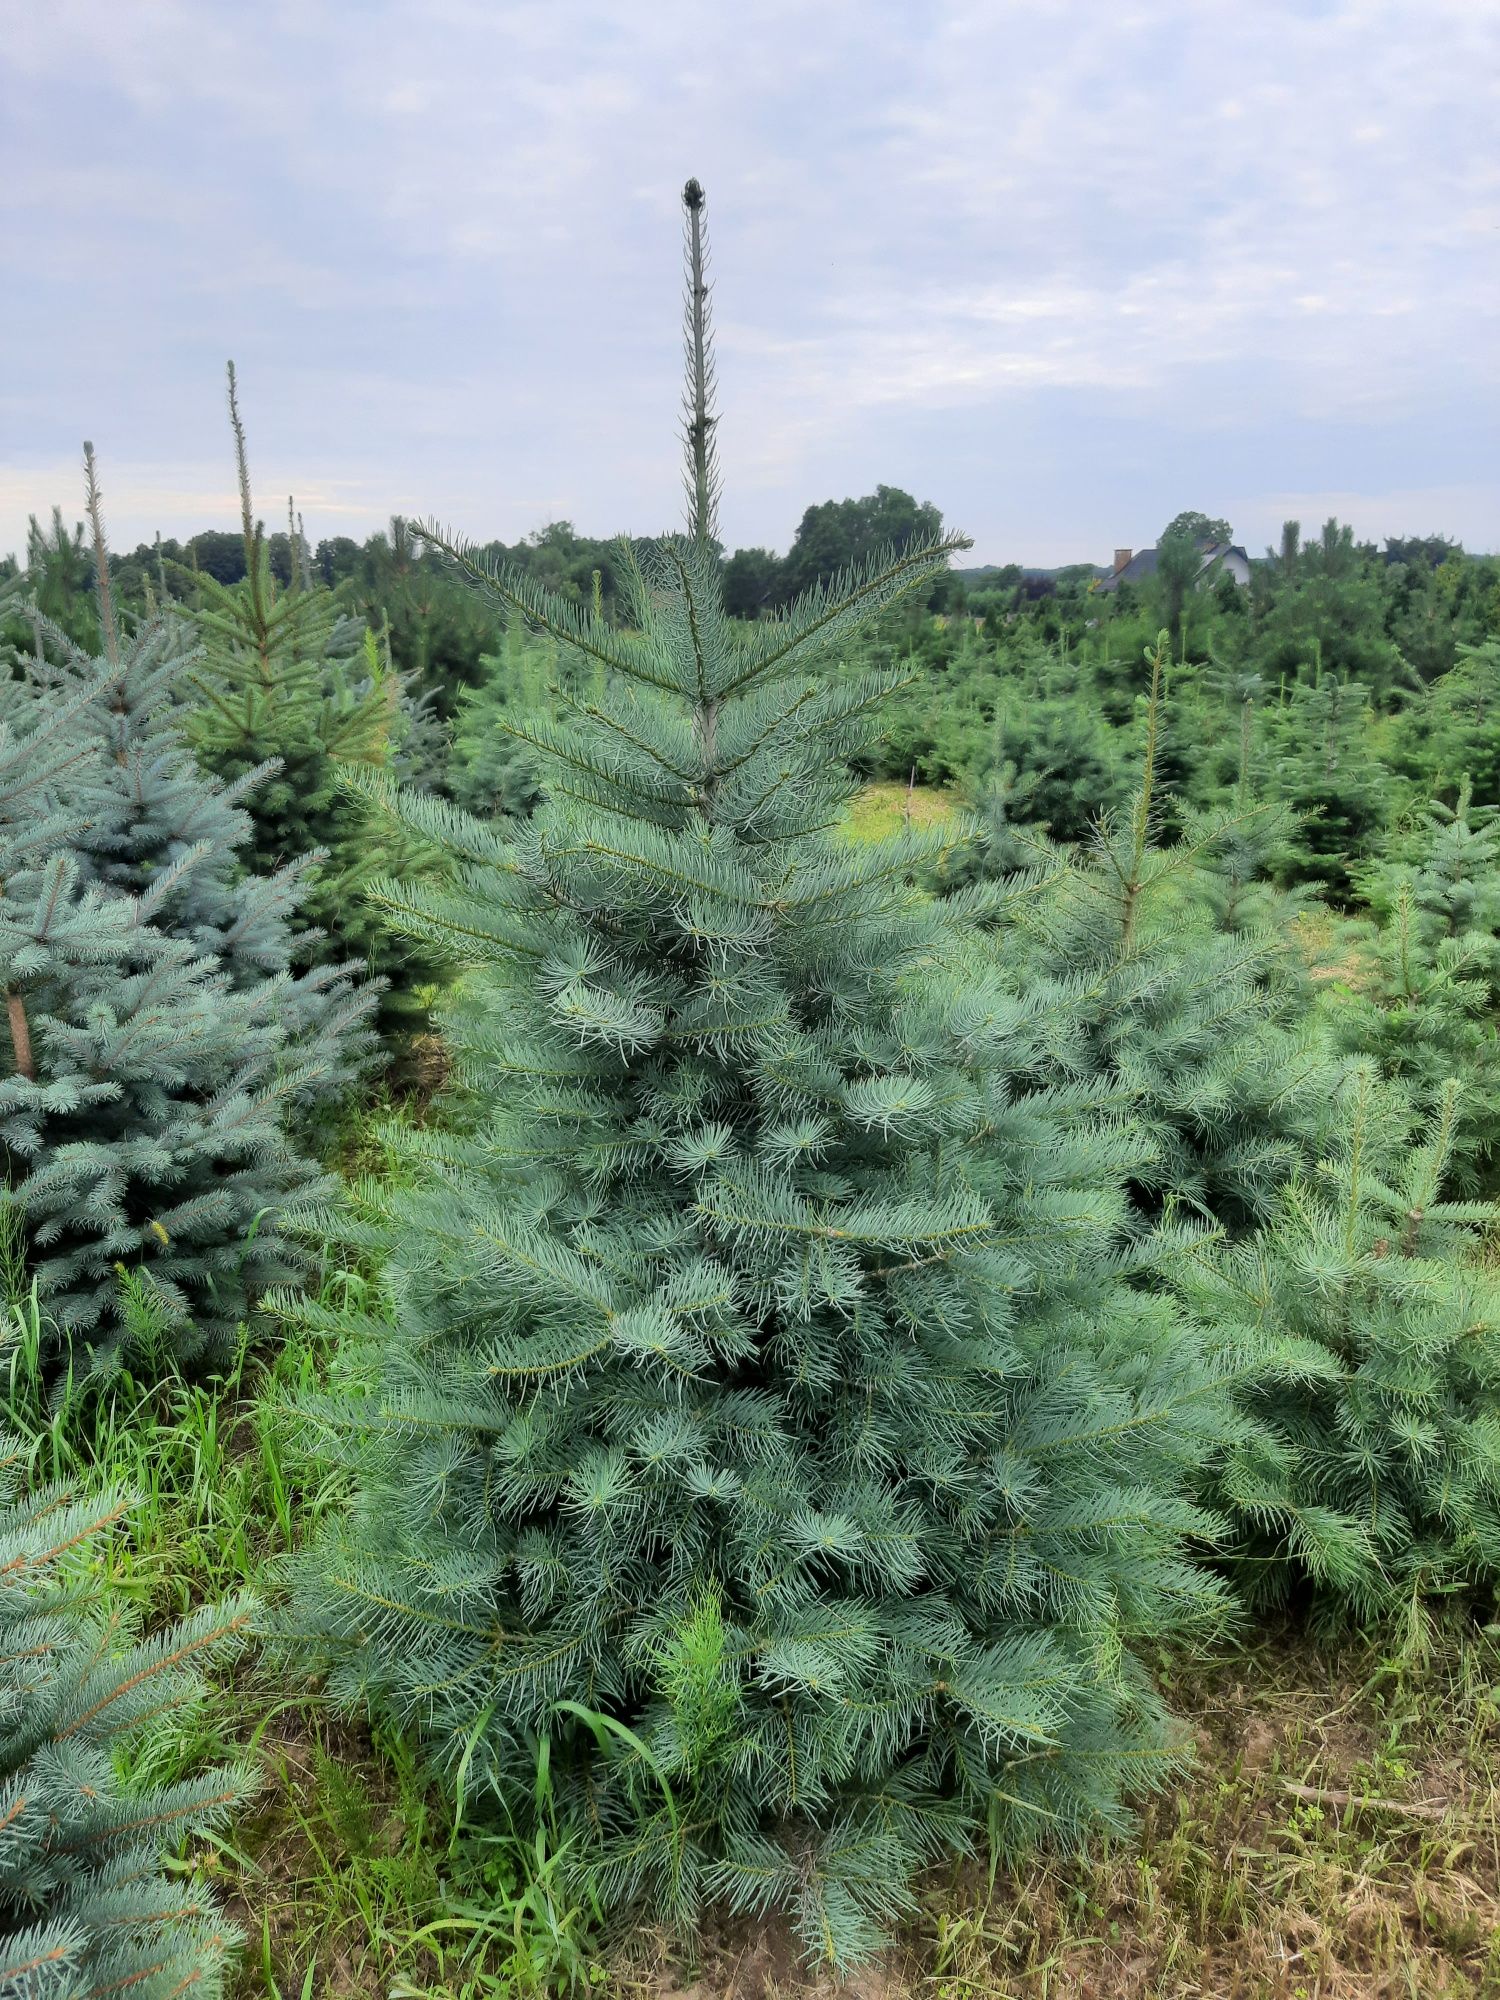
point(1364, 1322)
point(759, 1412)
point(86, 1906)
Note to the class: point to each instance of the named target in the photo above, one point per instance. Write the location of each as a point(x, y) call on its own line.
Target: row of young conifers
point(850, 1302)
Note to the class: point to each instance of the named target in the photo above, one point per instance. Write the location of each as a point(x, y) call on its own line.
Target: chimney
point(1122, 557)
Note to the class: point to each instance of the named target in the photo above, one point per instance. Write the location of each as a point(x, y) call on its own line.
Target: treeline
point(1017, 685)
point(1391, 617)
point(435, 629)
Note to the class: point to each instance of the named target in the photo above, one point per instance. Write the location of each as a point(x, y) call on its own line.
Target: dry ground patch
point(1337, 1839)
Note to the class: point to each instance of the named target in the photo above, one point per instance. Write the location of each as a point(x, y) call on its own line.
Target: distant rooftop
point(1137, 567)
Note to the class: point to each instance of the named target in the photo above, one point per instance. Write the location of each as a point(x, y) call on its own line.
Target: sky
point(1060, 266)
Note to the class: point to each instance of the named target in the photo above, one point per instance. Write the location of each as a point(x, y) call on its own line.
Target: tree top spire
point(699, 420)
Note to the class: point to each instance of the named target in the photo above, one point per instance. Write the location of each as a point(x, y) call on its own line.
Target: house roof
point(1143, 563)
point(1215, 552)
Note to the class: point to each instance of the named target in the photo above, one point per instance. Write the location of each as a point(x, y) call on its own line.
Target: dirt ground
point(1337, 1840)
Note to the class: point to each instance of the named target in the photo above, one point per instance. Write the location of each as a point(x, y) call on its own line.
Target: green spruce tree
point(286, 673)
point(494, 769)
point(1325, 772)
point(1452, 731)
point(58, 578)
point(1170, 1001)
point(1422, 1001)
point(1055, 764)
point(760, 1413)
point(1365, 1326)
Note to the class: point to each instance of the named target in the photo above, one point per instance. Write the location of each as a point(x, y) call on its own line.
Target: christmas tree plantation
point(763, 1413)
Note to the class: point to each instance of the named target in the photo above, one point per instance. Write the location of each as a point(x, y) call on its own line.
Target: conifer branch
point(518, 596)
point(848, 603)
point(88, 1847)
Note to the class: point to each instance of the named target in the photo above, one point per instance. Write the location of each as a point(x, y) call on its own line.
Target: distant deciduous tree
point(219, 554)
point(751, 580)
point(337, 559)
point(1192, 526)
point(841, 533)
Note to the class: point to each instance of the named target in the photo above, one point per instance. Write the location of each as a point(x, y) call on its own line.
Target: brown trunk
point(20, 1033)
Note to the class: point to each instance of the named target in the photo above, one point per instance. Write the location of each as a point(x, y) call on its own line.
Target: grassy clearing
point(879, 810)
point(1338, 1837)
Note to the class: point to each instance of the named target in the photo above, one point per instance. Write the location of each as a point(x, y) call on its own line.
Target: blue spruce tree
point(86, 1906)
point(163, 1042)
point(760, 1413)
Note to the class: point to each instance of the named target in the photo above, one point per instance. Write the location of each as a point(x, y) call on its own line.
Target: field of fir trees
point(727, 1272)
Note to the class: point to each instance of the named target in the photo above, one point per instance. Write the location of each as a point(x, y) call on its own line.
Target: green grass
point(353, 1876)
point(349, 1875)
point(879, 810)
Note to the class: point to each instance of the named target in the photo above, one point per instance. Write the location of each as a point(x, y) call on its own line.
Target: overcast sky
point(1061, 266)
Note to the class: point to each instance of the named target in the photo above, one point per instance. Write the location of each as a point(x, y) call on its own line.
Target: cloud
point(197, 495)
point(1187, 243)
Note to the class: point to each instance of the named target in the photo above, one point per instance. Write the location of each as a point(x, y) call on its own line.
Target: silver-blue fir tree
point(762, 1411)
